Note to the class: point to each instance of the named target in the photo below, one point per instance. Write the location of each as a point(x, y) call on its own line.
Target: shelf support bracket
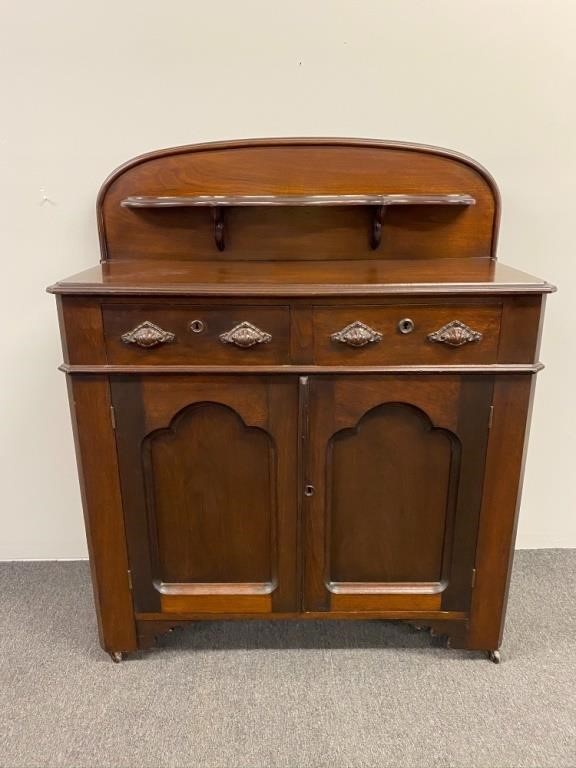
point(218, 220)
point(377, 220)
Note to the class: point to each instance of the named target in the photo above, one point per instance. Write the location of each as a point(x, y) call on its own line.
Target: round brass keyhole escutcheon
point(309, 490)
point(197, 326)
point(406, 325)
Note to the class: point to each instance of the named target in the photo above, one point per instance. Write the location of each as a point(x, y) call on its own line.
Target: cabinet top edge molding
point(306, 278)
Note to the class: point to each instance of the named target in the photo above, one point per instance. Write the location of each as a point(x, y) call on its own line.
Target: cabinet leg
point(494, 656)
point(116, 656)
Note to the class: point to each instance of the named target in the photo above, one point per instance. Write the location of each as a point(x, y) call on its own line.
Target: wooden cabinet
point(300, 385)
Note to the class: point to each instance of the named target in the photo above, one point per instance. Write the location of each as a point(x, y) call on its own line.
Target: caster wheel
point(494, 657)
point(116, 656)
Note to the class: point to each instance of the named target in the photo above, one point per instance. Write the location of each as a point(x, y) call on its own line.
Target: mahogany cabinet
point(300, 386)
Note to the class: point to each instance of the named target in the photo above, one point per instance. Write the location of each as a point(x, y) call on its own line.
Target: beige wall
point(88, 85)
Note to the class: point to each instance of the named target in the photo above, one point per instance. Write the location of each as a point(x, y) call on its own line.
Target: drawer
point(407, 334)
point(196, 335)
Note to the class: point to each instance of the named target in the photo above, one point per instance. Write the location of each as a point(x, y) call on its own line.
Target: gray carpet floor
point(280, 695)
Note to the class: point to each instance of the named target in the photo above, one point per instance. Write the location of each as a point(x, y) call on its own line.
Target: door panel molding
point(456, 406)
point(370, 467)
point(177, 391)
point(215, 588)
point(433, 397)
point(230, 410)
point(178, 462)
point(386, 587)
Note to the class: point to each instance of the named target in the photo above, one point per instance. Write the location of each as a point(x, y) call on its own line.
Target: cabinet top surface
point(304, 278)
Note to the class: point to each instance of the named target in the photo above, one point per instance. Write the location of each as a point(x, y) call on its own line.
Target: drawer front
point(196, 335)
point(407, 334)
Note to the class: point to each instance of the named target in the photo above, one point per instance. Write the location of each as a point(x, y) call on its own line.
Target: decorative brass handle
point(245, 335)
point(147, 334)
point(357, 334)
point(455, 334)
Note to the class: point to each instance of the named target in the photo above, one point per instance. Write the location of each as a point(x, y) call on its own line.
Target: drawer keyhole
point(406, 325)
point(309, 490)
point(197, 326)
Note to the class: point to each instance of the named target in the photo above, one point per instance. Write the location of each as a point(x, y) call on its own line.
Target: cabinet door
point(394, 468)
point(208, 468)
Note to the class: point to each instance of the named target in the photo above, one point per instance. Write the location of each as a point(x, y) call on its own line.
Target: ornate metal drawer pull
point(455, 334)
point(245, 335)
point(147, 334)
point(357, 334)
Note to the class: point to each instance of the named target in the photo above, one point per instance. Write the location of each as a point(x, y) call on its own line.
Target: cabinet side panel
point(81, 330)
point(103, 516)
point(499, 513)
point(521, 329)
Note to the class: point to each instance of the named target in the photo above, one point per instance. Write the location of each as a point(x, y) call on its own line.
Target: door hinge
point(304, 408)
point(113, 417)
point(473, 581)
point(490, 417)
point(130, 580)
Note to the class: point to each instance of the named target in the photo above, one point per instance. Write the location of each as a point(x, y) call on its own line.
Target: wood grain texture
point(103, 512)
point(197, 348)
point(350, 276)
point(300, 478)
point(397, 467)
point(396, 348)
point(211, 481)
point(299, 166)
point(474, 416)
point(388, 491)
point(521, 328)
point(215, 604)
point(441, 617)
point(485, 370)
point(81, 330)
point(208, 469)
point(500, 506)
point(401, 602)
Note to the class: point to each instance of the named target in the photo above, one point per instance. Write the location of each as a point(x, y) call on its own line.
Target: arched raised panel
point(390, 524)
point(432, 395)
point(211, 497)
point(390, 492)
point(208, 466)
point(169, 396)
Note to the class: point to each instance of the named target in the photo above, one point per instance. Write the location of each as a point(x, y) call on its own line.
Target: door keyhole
point(406, 325)
point(309, 490)
point(197, 326)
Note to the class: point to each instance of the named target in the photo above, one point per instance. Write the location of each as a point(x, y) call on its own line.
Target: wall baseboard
point(44, 560)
